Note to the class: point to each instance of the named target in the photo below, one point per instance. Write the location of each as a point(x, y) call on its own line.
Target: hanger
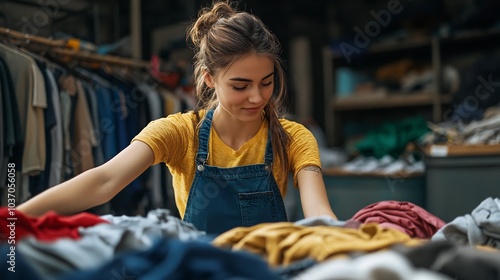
point(93, 77)
point(6, 39)
point(40, 57)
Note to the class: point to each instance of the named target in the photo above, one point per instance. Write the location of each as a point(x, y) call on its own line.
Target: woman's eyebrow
point(238, 79)
point(268, 75)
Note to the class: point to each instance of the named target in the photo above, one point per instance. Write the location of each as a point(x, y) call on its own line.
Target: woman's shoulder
point(178, 122)
point(298, 132)
point(290, 125)
point(186, 117)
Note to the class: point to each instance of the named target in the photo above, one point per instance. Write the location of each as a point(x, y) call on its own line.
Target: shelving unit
point(433, 50)
point(336, 106)
point(390, 101)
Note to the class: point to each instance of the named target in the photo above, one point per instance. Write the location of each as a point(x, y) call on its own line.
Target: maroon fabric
point(401, 215)
point(48, 227)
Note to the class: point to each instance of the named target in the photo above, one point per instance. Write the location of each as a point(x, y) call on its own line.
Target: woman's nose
point(255, 95)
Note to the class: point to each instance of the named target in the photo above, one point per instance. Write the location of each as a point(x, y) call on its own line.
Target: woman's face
point(244, 87)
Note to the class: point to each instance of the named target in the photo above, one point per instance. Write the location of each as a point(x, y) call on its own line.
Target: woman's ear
point(209, 80)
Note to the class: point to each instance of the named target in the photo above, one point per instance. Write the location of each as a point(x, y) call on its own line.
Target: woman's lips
point(253, 109)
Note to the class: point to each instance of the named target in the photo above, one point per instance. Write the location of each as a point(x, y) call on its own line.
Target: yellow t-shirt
point(174, 143)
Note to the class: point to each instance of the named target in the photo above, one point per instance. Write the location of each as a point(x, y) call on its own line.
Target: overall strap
point(268, 157)
point(203, 136)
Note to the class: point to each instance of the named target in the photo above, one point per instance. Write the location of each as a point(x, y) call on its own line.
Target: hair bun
point(207, 17)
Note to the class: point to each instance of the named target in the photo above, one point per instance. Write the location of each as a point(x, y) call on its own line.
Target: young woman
point(231, 156)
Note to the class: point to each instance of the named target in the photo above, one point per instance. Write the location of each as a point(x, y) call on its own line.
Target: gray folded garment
point(481, 227)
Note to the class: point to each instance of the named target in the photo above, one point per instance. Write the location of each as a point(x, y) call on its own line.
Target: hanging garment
point(40, 182)
point(107, 121)
point(12, 142)
point(56, 135)
point(90, 94)
point(83, 139)
point(31, 99)
point(67, 95)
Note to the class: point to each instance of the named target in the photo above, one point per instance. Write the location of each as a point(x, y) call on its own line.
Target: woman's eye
point(239, 88)
point(267, 84)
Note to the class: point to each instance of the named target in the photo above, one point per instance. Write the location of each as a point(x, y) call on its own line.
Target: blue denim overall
point(224, 198)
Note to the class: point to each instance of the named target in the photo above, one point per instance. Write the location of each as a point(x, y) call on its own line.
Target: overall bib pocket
point(257, 202)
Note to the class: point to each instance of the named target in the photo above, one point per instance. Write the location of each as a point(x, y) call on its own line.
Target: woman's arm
point(313, 193)
point(93, 187)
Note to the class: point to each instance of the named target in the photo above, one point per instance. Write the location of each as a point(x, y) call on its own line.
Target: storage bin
point(456, 185)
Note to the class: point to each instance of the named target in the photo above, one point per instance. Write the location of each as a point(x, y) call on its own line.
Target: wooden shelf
point(390, 47)
point(413, 44)
point(339, 172)
point(462, 150)
point(472, 36)
point(385, 101)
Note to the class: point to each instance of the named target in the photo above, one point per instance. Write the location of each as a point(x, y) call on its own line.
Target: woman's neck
point(231, 131)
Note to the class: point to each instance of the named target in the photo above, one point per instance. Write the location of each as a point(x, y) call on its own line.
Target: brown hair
point(221, 35)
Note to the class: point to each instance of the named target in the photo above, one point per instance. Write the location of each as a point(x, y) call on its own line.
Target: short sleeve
point(303, 150)
point(168, 137)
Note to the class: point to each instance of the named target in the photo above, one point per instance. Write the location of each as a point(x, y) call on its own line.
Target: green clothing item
point(391, 138)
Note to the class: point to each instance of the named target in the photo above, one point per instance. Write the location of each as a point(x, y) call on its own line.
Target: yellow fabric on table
point(284, 243)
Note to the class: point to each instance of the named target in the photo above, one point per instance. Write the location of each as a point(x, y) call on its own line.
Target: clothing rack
point(59, 47)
